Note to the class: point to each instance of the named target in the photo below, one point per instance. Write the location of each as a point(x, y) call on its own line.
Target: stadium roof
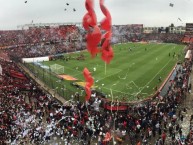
point(26, 26)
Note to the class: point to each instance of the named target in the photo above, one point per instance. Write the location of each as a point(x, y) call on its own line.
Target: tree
point(167, 29)
point(172, 26)
point(159, 30)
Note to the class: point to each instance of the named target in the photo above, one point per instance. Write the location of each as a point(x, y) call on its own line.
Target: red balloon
point(93, 40)
point(107, 55)
point(106, 40)
point(94, 37)
point(89, 82)
point(89, 19)
point(89, 4)
point(86, 72)
point(92, 49)
point(107, 51)
point(85, 21)
point(88, 93)
point(106, 23)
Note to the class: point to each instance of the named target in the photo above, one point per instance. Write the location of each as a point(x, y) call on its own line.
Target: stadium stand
point(29, 115)
point(35, 42)
point(24, 109)
point(163, 37)
point(186, 39)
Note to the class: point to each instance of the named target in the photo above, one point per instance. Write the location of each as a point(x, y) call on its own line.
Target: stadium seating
point(163, 37)
point(186, 39)
point(28, 115)
point(35, 42)
point(191, 40)
point(23, 111)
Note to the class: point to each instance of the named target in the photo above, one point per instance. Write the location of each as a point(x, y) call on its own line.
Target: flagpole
point(105, 68)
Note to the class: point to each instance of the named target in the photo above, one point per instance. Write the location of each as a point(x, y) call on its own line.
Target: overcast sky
point(147, 12)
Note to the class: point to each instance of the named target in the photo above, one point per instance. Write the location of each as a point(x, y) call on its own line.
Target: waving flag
point(107, 137)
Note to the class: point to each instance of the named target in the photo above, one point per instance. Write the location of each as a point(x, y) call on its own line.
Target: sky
point(150, 13)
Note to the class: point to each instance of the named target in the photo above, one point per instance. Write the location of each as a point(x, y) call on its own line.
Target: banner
point(17, 75)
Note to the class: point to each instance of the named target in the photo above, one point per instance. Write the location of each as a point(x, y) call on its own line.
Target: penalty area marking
point(142, 88)
point(154, 76)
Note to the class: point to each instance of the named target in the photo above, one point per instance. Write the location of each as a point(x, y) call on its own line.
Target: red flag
point(107, 137)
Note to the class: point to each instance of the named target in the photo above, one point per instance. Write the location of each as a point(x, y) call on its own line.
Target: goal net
point(56, 68)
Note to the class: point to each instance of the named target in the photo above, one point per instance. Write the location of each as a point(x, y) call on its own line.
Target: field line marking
point(116, 90)
point(79, 72)
point(154, 77)
point(99, 65)
point(136, 93)
point(128, 93)
point(110, 75)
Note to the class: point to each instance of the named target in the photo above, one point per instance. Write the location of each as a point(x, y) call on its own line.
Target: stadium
point(96, 83)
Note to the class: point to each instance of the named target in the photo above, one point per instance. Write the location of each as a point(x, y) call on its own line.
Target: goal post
point(56, 68)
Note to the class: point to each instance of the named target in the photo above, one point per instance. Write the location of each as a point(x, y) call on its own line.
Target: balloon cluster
point(95, 37)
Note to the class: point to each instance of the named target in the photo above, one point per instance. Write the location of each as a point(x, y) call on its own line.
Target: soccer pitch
point(133, 73)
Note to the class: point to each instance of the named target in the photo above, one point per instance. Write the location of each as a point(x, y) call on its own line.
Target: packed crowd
point(122, 33)
point(35, 42)
point(48, 49)
point(163, 37)
point(188, 39)
point(35, 35)
point(44, 41)
point(29, 115)
point(126, 33)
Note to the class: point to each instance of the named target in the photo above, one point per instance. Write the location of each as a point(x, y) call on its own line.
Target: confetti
point(171, 4)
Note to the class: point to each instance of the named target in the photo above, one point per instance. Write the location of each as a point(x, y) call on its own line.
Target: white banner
point(35, 59)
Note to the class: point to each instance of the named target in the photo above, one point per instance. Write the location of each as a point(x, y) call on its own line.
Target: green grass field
point(130, 73)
